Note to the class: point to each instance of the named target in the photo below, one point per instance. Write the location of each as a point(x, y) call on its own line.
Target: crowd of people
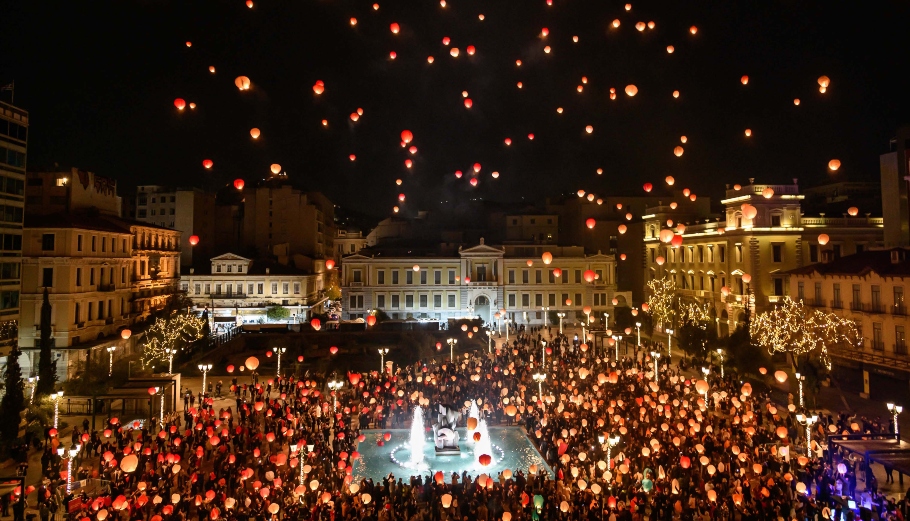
point(682, 446)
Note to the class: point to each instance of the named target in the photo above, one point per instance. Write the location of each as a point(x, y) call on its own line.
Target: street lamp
point(170, 359)
point(720, 353)
point(72, 452)
point(546, 319)
point(56, 397)
point(669, 342)
point(540, 378)
point(278, 352)
point(33, 381)
point(561, 316)
point(205, 368)
point(334, 385)
point(506, 322)
point(382, 352)
point(110, 365)
point(895, 411)
point(452, 342)
point(161, 409)
point(543, 353)
point(638, 332)
point(800, 378)
point(609, 442)
point(807, 421)
point(705, 371)
point(656, 356)
point(616, 346)
point(489, 341)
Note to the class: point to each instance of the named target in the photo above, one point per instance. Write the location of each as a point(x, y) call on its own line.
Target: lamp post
point(334, 385)
point(72, 452)
point(669, 333)
point(638, 332)
point(506, 322)
point(616, 346)
point(33, 381)
point(56, 397)
point(489, 341)
point(807, 421)
point(656, 356)
point(205, 368)
point(540, 378)
point(382, 352)
point(110, 366)
point(720, 353)
point(705, 371)
point(609, 442)
point(546, 319)
point(895, 410)
point(170, 359)
point(452, 342)
point(543, 353)
point(800, 378)
point(561, 316)
point(160, 390)
point(606, 320)
point(278, 352)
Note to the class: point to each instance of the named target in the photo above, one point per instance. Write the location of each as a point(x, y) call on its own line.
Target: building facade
point(239, 290)
point(718, 253)
point(302, 223)
point(869, 288)
point(13, 153)
point(479, 282)
point(190, 211)
point(348, 243)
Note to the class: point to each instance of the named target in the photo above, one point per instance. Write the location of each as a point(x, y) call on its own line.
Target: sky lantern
point(207, 163)
point(853, 211)
point(455, 52)
point(508, 141)
point(670, 49)
point(631, 90)
point(471, 50)
point(353, 21)
point(622, 256)
point(194, 240)
point(401, 197)
point(590, 223)
point(446, 40)
point(823, 239)
point(329, 264)
point(212, 69)
point(275, 168)
point(748, 132)
point(531, 137)
point(673, 205)
point(468, 103)
point(477, 167)
point(834, 164)
point(581, 193)
point(407, 136)
point(824, 81)
point(669, 180)
point(238, 184)
point(473, 181)
point(557, 272)
point(767, 193)
point(648, 187)
point(412, 150)
point(744, 80)
point(676, 241)
point(589, 129)
point(458, 174)
point(693, 29)
point(796, 101)
point(242, 82)
point(319, 87)
point(683, 139)
point(686, 192)
point(180, 103)
point(615, 23)
point(255, 133)
point(678, 151)
point(495, 175)
point(547, 257)
point(600, 171)
point(666, 235)
point(675, 93)
point(640, 26)
point(408, 163)
point(352, 157)
point(430, 59)
point(660, 260)
point(544, 32)
point(398, 182)
point(393, 55)
point(395, 28)
point(622, 229)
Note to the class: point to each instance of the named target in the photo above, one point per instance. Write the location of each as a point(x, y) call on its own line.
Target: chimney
point(267, 271)
point(827, 255)
point(192, 270)
point(896, 256)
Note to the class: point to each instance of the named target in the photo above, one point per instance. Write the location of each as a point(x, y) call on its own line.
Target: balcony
point(899, 309)
point(837, 304)
point(900, 348)
point(878, 345)
point(228, 295)
point(814, 303)
point(106, 287)
point(875, 307)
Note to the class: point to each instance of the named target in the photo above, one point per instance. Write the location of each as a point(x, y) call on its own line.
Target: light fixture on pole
point(72, 452)
point(705, 371)
point(561, 316)
point(616, 346)
point(807, 421)
point(278, 352)
point(33, 381)
point(489, 341)
point(452, 342)
point(110, 366)
point(669, 342)
point(170, 359)
point(895, 410)
point(540, 378)
point(506, 322)
point(609, 442)
point(543, 353)
point(334, 385)
point(161, 408)
point(656, 356)
point(546, 319)
point(382, 352)
point(57, 396)
point(205, 368)
point(638, 332)
point(720, 353)
point(799, 379)
point(606, 321)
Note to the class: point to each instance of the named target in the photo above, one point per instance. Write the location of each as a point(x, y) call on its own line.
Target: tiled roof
point(878, 261)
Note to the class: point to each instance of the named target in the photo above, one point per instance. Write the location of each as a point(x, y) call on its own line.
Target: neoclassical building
point(727, 251)
point(436, 284)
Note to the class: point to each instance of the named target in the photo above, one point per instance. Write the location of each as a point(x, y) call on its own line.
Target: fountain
point(417, 441)
point(474, 412)
point(484, 445)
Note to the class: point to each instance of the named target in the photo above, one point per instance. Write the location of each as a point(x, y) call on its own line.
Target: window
point(451, 276)
point(94, 241)
point(78, 277)
point(710, 253)
point(900, 340)
point(423, 301)
point(878, 343)
point(551, 278)
point(537, 277)
point(437, 301)
point(898, 298)
point(100, 310)
point(409, 277)
point(565, 297)
point(208, 289)
point(722, 253)
point(551, 300)
point(104, 244)
point(396, 301)
point(297, 288)
point(818, 293)
point(230, 268)
point(778, 286)
point(876, 297)
point(856, 296)
point(197, 289)
point(511, 300)
point(813, 253)
point(452, 301)
point(47, 277)
point(380, 301)
point(800, 290)
point(77, 313)
point(777, 252)
point(481, 273)
point(538, 300)
point(437, 277)
point(409, 301)
point(596, 299)
point(525, 300)
point(775, 220)
point(836, 302)
point(577, 299)
point(218, 268)
point(47, 242)
point(91, 276)
point(218, 289)
point(524, 276)
point(394, 277)
point(79, 243)
point(380, 277)
point(123, 275)
point(511, 276)
point(356, 301)
point(274, 288)
point(599, 275)
point(358, 275)
point(701, 254)
point(423, 276)
point(577, 276)
point(739, 253)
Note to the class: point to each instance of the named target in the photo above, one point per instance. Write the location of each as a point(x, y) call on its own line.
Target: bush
point(277, 313)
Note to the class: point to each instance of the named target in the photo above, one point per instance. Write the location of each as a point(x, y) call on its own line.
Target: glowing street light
point(56, 397)
point(609, 442)
point(895, 410)
point(656, 356)
point(489, 341)
point(807, 421)
point(561, 316)
point(452, 342)
point(546, 319)
point(382, 352)
point(33, 381)
point(205, 368)
point(543, 353)
point(72, 452)
point(170, 359)
point(720, 353)
point(638, 332)
point(800, 378)
point(705, 371)
point(110, 365)
point(669, 342)
point(540, 378)
point(279, 351)
point(334, 385)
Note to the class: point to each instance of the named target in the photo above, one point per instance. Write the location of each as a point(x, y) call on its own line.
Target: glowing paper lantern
point(834, 164)
point(590, 223)
point(767, 193)
point(251, 363)
point(180, 103)
point(853, 211)
point(678, 151)
point(125, 334)
point(669, 180)
point(194, 240)
point(631, 90)
point(547, 257)
point(823, 239)
point(780, 376)
point(207, 163)
point(275, 168)
point(242, 82)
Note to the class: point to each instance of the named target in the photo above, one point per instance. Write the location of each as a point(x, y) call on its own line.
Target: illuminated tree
point(694, 332)
point(794, 329)
point(661, 299)
point(171, 333)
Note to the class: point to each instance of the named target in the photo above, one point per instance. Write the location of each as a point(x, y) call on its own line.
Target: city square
point(453, 260)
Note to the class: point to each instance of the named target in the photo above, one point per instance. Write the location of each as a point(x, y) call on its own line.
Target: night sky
point(100, 78)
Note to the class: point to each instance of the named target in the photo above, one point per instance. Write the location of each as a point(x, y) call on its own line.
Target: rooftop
point(887, 263)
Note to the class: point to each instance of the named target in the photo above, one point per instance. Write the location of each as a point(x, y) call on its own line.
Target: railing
point(841, 221)
point(837, 304)
point(105, 287)
point(878, 345)
point(874, 358)
point(228, 295)
point(899, 309)
point(875, 307)
point(900, 348)
point(856, 306)
point(814, 303)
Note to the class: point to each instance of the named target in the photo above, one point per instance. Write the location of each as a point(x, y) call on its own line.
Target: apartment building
point(13, 153)
point(190, 211)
